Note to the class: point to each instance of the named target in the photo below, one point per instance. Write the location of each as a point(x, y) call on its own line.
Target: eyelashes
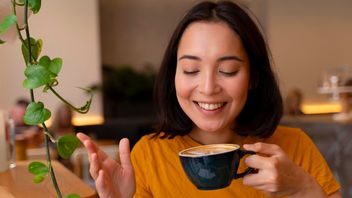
point(225, 73)
point(232, 73)
point(190, 72)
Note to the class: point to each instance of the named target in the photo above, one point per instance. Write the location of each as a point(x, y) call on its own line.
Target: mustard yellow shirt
point(159, 171)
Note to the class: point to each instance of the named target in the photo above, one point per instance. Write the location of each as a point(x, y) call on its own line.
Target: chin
point(210, 129)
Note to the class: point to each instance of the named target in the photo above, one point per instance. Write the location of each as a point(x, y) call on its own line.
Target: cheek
point(183, 87)
point(239, 89)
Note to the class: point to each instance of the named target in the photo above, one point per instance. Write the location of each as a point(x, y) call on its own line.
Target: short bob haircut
point(263, 109)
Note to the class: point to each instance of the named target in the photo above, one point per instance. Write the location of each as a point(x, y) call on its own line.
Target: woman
point(215, 85)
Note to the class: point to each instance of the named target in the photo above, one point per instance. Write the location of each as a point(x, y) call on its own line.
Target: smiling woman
point(212, 77)
point(216, 85)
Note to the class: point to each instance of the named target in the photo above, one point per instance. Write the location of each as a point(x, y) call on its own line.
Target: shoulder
point(288, 134)
point(294, 141)
point(302, 151)
point(288, 131)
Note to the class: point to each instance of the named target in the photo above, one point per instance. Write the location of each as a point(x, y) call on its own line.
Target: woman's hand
point(113, 180)
point(277, 174)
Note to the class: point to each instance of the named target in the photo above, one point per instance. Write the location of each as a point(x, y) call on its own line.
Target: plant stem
point(52, 173)
point(29, 42)
point(66, 102)
point(18, 29)
point(46, 139)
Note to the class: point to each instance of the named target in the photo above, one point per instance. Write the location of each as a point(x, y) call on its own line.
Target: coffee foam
point(208, 150)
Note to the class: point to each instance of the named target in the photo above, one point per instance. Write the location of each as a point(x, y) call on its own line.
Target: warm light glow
point(321, 108)
point(89, 120)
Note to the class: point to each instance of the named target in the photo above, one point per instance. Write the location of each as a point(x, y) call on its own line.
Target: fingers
point(103, 187)
point(264, 148)
point(82, 137)
point(101, 181)
point(258, 162)
point(95, 166)
point(124, 152)
point(252, 180)
point(91, 146)
point(87, 142)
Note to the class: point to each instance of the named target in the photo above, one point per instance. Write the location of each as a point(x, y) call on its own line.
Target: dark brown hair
point(263, 109)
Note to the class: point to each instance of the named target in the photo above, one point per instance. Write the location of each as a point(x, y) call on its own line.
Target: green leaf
point(38, 178)
point(37, 168)
point(37, 76)
point(40, 171)
point(7, 23)
point(66, 145)
point(55, 65)
point(45, 61)
point(36, 113)
point(35, 5)
point(52, 65)
point(73, 195)
point(36, 49)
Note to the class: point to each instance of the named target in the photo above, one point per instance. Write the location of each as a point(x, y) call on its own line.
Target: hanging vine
point(41, 72)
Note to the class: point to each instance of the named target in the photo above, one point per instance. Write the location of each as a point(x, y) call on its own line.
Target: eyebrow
point(224, 58)
point(189, 57)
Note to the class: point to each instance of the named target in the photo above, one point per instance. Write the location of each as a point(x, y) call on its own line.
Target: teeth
point(210, 107)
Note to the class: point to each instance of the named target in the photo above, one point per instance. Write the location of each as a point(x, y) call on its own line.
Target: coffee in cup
point(213, 166)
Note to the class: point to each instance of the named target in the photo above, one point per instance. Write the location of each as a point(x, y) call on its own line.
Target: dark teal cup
point(214, 166)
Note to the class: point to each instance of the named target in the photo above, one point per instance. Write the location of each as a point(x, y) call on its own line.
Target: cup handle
point(249, 169)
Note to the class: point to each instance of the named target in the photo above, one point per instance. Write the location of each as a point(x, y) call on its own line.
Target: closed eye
point(190, 72)
point(232, 73)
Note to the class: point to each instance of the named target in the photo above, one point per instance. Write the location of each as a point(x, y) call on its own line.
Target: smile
point(210, 106)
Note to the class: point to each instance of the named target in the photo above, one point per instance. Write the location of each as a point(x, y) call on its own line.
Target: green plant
point(41, 72)
point(124, 83)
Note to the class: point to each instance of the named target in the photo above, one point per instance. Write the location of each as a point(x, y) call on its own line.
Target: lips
point(210, 106)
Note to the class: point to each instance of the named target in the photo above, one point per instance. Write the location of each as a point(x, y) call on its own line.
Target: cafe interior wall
point(305, 37)
point(308, 38)
point(70, 30)
point(137, 32)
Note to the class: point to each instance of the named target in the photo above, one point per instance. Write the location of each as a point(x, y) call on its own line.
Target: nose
point(208, 84)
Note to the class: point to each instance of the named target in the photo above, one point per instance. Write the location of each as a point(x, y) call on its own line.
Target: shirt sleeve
point(139, 158)
point(314, 163)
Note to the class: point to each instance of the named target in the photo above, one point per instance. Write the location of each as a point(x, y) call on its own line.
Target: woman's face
point(212, 75)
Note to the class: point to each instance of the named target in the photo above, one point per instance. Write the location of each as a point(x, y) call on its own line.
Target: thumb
point(124, 152)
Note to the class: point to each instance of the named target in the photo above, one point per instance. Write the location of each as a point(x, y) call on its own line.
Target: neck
point(216, 137)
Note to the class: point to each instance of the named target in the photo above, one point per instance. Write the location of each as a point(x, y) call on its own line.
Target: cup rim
point(236, 146)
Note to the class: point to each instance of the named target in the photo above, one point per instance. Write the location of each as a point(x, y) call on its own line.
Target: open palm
point(111, 178)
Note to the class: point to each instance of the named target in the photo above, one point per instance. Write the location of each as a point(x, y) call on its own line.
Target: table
point(17, 182)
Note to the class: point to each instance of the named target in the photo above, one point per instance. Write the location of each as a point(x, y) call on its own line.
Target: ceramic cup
point(213, 166)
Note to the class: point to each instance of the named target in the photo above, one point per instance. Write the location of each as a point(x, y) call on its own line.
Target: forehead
point(214, 36)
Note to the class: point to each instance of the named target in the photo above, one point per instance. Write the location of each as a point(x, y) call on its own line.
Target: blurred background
point(116, 46)
point(94, 38)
